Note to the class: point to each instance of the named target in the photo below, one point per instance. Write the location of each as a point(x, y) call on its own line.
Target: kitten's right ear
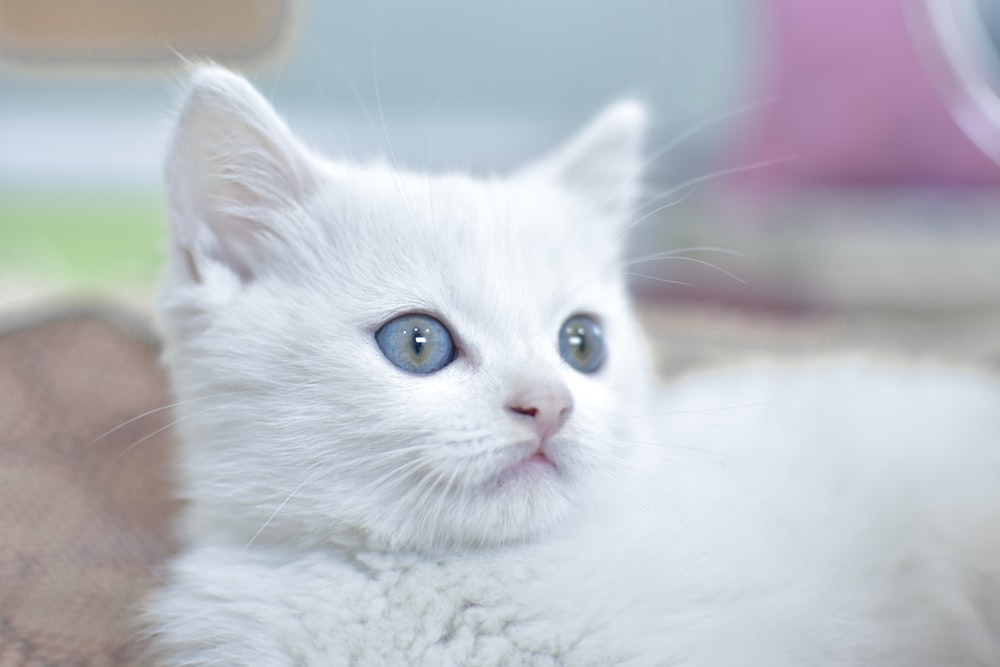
point(233, 167)
point(604, 160)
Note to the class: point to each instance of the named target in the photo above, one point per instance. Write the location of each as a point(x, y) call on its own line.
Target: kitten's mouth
point(532, 465)
point(538, 457)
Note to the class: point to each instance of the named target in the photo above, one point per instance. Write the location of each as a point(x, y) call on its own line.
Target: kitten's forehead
point(497, 238)
point(494, 223)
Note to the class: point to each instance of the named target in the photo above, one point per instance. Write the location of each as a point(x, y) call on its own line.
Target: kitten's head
point(388, 357)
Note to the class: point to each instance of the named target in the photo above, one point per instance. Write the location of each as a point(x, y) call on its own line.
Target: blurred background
point(824, 174)
point(86, 103)
point(837, 157)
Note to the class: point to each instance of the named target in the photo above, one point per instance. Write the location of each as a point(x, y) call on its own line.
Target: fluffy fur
point(343, 512)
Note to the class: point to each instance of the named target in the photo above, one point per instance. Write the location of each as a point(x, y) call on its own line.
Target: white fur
point(343, 512)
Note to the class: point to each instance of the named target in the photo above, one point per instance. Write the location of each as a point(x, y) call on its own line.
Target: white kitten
point(418, 429)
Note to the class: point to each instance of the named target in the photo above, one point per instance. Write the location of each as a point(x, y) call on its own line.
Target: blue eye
point(416, 343)
point(581, 344)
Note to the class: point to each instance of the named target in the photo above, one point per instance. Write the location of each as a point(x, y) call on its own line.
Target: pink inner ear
point(243, 243)
point(234, 169)
point(854, 103)
point(603, 160)
point(191, 265)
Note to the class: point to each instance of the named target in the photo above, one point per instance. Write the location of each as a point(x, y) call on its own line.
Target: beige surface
point(85, 517)
point(75, 32)
point(692, 337)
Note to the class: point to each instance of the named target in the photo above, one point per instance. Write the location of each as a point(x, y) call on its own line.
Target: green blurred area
point(83, 238)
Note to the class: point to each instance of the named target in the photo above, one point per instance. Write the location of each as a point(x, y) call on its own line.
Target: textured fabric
point(85, 517)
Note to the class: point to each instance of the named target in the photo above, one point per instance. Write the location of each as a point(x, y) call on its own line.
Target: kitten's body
point(345, 512)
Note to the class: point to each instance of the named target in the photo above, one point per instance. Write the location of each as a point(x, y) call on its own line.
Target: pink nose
point(547, 409)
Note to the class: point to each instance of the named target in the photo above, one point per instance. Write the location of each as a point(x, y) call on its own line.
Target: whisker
point(720, 173)
point(434, 117)
point(655, 72)
point(392, 454)
point(381, 118)
point(160, 430)
point(683, 258)
point(415, 496)
point(691, 184)
point(431, 483)
point(685, 195)
point(280, 507)
point(346, 77)
point(399, 471)
point(674, 452)
point(714, 410)
point(147, 413)
point(670, 254)
point(444, 496)
point(196, 399)
point(378, 104)
point(658, 279)
point(696, 248)
point(700, 125)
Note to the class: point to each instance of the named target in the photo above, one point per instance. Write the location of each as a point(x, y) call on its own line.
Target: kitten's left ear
point(605, 159)
point(233, 169)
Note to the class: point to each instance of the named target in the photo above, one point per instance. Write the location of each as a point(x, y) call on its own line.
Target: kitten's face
point(406, 360)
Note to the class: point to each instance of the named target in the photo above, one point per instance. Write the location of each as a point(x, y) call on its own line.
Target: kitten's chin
point(524, 503)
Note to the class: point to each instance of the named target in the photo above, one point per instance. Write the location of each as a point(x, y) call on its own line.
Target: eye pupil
point(578, 341)
point(581, 344)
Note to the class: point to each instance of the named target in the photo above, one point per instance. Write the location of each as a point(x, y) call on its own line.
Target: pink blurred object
point(855, 102)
